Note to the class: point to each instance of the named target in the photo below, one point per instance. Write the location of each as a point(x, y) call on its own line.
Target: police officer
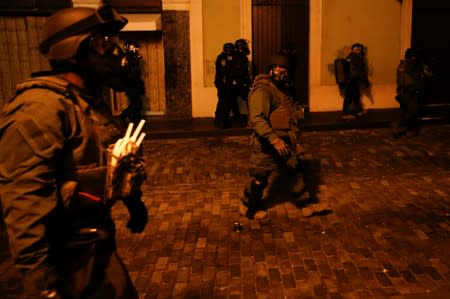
point(242, 71)
point(357, 79)
point(275, 119)
point(53, 135)
point(135, 86)
point(221, 80)
point(412, 80)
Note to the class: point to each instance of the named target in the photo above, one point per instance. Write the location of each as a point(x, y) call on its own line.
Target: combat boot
point(251, 204)
point(313, 208)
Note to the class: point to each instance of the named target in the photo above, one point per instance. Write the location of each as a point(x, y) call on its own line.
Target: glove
point(40, 283)
point(281, 147)
point(138, 214)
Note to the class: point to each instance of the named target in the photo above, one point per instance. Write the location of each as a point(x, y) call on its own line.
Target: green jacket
point(272, 113)
point(53, 141)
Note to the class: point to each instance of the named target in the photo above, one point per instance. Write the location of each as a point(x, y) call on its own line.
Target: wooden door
point(277, 25)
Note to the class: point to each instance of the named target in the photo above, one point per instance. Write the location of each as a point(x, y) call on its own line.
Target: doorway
point(429, 20)
point(277, 25)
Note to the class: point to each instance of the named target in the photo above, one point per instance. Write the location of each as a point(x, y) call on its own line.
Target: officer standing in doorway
point(413, 76)
point(352, 106)
point(54, 136)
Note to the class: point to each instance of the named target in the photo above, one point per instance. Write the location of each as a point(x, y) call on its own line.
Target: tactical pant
point(91, 271)
point(352, 98)
point(409, 110)
point(264, 160)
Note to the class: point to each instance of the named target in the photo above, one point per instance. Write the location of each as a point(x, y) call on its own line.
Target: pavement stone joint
point(385, 235)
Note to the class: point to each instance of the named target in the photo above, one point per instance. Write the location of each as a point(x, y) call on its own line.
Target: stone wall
point(177, 63)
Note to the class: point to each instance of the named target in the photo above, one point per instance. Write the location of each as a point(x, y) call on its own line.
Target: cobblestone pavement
point(386, 234)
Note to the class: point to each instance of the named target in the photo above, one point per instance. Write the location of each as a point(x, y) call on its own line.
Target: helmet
point(413, 52)
point(357, 45)
point(228, 48)
point(66, 29)
point(242, 46)
point(279, 60)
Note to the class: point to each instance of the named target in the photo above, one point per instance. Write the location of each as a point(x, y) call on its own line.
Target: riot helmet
point(85, 41)
point(228, 48)
point(413, 53)
point(242, 46)
point(358, 49)
point(278, 71)
point(66, 29)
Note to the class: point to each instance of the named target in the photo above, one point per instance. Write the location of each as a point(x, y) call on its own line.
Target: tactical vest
point(90, 129)
point(410, 77)
point(286, 115)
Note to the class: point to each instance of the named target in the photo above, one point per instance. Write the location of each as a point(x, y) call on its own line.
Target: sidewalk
point(162, 127)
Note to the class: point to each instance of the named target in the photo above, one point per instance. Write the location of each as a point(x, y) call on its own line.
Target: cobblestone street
point(385, 235)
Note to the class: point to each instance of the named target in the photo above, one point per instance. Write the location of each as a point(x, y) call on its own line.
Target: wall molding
point(175, 4)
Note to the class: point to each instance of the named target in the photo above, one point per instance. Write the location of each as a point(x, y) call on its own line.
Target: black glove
point(41, 283)
point(138, 214)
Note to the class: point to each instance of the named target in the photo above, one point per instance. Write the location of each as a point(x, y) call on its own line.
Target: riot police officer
point(275, 118)
point(135, 86)
point(243, 69)
point(221, 80)
point(357, 79)
point(412, 80)
point(54, 134)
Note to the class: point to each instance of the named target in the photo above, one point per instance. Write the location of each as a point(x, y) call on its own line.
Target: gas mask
point(106, 62)
point(280, 77)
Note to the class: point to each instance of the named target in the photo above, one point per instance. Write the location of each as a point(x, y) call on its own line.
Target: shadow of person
point(301, 186)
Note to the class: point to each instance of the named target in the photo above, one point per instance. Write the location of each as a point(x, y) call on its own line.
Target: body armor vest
point(286, 114)
point(89, 130)
point(409, 76)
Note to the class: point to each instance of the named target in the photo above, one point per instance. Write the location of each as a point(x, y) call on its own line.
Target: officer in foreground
point(54, 136)
point(275, 118)
point(413, 77)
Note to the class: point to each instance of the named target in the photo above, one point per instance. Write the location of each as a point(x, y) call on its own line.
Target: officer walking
point(54, 134)
point(412, 80)
point(352, 106)
point(275, 118)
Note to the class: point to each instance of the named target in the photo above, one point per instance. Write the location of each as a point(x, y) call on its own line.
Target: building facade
point(182, 41)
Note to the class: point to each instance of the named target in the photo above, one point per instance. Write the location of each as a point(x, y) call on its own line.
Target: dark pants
point(227, 103)
point(409, 110)
point(264, 160)
point(352, 98)
point(92, 271)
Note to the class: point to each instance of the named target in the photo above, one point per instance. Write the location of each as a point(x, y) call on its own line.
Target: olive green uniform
point(272, 114)
point(52, 179)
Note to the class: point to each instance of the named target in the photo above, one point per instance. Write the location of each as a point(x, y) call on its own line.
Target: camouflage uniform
point(52, 174)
